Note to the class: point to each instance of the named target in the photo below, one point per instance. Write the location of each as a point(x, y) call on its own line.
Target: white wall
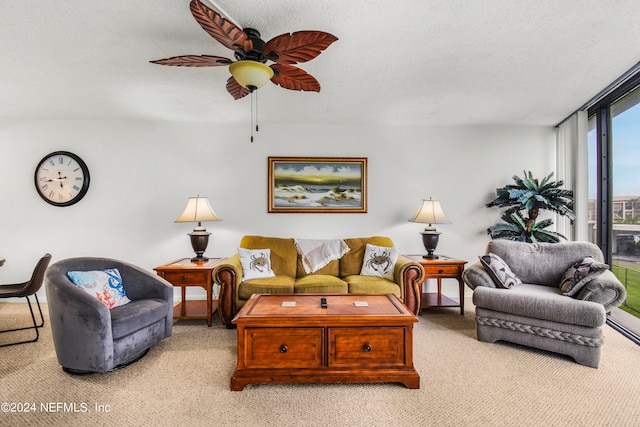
point(143, 172)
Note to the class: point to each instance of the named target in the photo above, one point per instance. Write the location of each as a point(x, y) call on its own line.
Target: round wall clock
point(62, 178)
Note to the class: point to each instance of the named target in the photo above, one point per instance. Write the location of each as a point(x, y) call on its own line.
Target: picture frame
point(317, 184)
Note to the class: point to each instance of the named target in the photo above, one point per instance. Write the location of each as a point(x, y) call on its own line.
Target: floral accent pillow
point(379, 261)
point(581, 273)
point(256, 263)
point(499, 271)
point(105, 285)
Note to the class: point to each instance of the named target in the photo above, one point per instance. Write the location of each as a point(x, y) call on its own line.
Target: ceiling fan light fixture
point(251, 74)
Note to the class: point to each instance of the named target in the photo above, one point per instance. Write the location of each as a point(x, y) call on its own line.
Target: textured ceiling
point(432, 62)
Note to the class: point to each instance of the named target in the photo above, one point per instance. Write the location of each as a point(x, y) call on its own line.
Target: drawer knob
point(367, 348)
point(440, 271)
point(283, 348)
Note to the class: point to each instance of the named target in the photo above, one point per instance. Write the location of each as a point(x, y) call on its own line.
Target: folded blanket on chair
point(315, 254)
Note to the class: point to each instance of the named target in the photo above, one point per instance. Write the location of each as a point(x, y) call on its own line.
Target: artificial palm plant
point(530, 195)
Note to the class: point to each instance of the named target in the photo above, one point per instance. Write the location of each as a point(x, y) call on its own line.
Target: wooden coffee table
point(305, 343)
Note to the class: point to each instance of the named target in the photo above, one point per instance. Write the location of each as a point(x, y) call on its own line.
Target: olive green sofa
point(340, 276)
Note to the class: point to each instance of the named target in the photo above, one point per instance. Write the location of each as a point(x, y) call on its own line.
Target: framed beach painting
point(317, 184)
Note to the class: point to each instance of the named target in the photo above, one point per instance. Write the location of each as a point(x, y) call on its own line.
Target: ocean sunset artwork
point(317, 185)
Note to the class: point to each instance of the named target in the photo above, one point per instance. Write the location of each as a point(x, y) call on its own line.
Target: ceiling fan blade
point(297, 47)
point(227, 33)
point(234, 88)
point(294, 78)
point(194, 61)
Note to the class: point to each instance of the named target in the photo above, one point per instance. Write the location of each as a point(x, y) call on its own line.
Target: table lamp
point(430, 212)
point(198, 209)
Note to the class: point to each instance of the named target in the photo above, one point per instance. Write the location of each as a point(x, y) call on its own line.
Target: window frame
point(604, 161)
point(601, 109)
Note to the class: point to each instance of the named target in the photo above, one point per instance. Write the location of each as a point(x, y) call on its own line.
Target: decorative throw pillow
point(256, 263)
point(579, 274)
point(105, 285)
point(499, 271)
point(379, 261)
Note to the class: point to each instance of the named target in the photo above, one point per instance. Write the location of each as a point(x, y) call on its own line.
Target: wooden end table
point(443, 267)
point(185, 273)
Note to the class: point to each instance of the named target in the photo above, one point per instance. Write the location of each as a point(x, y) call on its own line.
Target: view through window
point(624, 200)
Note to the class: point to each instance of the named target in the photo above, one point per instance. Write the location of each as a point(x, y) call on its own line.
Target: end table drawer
point(186, 277)
point(283, 347)
point(367, 346)
point(442, 269)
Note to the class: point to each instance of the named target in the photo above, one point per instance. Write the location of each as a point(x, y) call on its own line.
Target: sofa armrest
point(228, 274)
point(605, 289)
point(476, 275)
point(409, 275)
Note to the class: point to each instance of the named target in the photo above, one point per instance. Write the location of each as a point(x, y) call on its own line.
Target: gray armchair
point(87, 335)
point(536, 313)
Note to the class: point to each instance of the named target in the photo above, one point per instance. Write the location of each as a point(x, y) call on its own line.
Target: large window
point(614, 191)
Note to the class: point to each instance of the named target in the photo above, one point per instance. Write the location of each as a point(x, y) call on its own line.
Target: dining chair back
point(25, 290)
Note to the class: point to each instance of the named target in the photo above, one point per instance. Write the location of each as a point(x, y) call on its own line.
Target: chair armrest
point(409, 275)
point(476, 275)
point(228, 274)
point(80, 324)
point(605, 289)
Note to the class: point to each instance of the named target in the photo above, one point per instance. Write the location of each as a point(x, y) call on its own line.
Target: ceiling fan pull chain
point(256, 110)
point(251, 116)
point(254, 94)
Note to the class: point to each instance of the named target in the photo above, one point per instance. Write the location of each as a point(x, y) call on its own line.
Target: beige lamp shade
point(251, 74)
point(430, 212)
point(198, 210)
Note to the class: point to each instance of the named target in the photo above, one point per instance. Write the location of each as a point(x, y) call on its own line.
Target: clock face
point(62, 178)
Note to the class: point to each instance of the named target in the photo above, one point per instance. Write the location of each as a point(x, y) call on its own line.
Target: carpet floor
point(185, 381)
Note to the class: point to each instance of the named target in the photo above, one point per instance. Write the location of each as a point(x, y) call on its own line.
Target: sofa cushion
point(499, 271)
point(332, 269)
point(581, 273)
point(283, 252)
point(351, 262)
point(542, 263)
point(138, 314)
point(269, 285)
point(368, 285)
point(256, 263)
point(540, 302)
point(379, 261)
point(320, 284)
point(314, 254)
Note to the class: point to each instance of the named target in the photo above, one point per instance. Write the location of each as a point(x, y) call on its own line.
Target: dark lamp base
point(430, 242)
point(199, 242)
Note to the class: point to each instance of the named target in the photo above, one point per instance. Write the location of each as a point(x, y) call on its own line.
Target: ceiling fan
point(249, 71)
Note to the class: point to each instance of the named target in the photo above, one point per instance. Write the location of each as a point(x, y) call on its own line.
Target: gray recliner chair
point(536, 313)
point(87, 335)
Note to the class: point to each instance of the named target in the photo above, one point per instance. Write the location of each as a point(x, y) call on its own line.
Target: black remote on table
point(323, 302)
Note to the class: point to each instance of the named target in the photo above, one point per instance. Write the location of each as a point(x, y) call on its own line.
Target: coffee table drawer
point(283, 347)
point(367, 346)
